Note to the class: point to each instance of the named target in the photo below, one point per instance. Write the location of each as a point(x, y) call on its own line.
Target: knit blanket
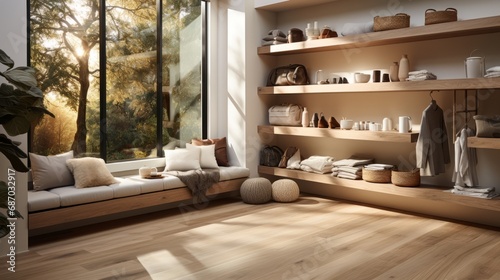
point(198, 181)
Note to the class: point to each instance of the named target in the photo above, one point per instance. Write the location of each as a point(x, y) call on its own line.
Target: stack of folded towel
point(487, 193)
point(348, 172)
point(317, 164)
point(349, 168)
point(420, 75)
point(274, 37)
point(493, 72)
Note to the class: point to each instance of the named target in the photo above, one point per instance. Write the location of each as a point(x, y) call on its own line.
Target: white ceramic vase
point(404, 68)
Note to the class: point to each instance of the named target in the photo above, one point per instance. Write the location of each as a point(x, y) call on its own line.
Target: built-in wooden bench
point(172, 191)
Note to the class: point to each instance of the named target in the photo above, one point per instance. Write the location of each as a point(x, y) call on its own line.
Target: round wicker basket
point(406, 178)
point(397, 21)
point(432, 16)
point(377, 176)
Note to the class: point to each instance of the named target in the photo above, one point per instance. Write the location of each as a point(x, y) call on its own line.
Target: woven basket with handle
point(432, 16)
point(400, 20)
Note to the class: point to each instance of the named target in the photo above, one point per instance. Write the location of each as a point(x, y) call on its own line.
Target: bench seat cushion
point(41, 200)
point(72, 196)
point(233, 172)
point(146, 185)
point(126, 186)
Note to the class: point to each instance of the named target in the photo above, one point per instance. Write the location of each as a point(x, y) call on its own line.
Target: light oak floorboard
point(312, 238)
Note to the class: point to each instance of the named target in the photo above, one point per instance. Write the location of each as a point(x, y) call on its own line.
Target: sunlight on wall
point(236, 84)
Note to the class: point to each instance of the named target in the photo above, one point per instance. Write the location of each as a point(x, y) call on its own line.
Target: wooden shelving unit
point(381, 136)
point(451, 84)
point(422, 192)
point(403, 35)
point(483, 143)
point(434, 195)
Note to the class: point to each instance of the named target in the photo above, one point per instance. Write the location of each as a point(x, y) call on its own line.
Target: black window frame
point(159, 99)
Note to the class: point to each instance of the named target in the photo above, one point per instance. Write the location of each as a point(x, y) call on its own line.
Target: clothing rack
point(468, 111)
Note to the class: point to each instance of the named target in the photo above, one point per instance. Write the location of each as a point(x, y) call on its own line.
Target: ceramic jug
point(474, 67)
point(404, 124)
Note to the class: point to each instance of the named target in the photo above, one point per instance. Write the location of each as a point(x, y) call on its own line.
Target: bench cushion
point(233, 172)
point(126, 186)
point(41, 200)
point(73, 196)
point(147, 185)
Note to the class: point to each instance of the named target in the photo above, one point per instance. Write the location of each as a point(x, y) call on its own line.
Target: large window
point(123, 77)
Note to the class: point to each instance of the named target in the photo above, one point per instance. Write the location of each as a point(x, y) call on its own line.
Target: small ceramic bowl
point(361, 78)
point(346, 124)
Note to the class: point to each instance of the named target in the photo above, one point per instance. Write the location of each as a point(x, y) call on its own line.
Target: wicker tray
point(377, 176)
point(406, 178)
point(432, 16)
point(397, 21)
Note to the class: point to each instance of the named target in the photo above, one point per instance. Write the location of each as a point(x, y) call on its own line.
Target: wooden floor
point(313, 238)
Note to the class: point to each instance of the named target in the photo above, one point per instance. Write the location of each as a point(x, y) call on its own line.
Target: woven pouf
point(285, 190)
point(256, 190)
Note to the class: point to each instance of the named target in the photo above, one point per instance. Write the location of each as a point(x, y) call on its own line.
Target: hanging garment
point(432, 144)
point(465, 174)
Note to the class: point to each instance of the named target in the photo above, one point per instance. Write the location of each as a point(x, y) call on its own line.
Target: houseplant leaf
point(22, 77)
point(13, 153)
point(17, 125)
point(6, 60)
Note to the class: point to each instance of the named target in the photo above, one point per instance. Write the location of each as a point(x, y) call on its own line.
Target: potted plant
point(21, 106)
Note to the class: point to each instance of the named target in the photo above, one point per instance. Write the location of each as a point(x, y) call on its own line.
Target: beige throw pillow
point(50, 171)
point(90, 172)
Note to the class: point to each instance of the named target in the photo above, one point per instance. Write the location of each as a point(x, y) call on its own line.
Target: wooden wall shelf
point(483, 143)
point(451, 84)
point(434, 193)
point(382, 136)
point(403, 35)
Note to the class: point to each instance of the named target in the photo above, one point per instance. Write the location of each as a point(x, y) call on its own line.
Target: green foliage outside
point(65, 52)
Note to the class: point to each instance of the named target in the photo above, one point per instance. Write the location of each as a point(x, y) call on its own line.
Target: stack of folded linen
point(493, 72)
point(317, 164)
point(348, 172)
point(420, 75)
point(487, 193)
point(349, 168)
point(274, 37)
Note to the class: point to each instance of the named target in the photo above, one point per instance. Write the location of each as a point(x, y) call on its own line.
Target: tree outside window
point(66, 51)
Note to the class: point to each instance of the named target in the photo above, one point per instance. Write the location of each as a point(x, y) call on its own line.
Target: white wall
point(13, 42)
point(444, 57)
point(238, 109)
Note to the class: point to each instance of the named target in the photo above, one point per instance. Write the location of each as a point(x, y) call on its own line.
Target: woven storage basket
point(432, 16)
point(397, 21)
point(406, 178)
point(377, 176)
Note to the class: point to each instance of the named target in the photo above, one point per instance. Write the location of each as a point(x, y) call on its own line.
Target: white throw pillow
point(50, 171)
point(182, 160)
point(90, 172)
point(207, 155)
